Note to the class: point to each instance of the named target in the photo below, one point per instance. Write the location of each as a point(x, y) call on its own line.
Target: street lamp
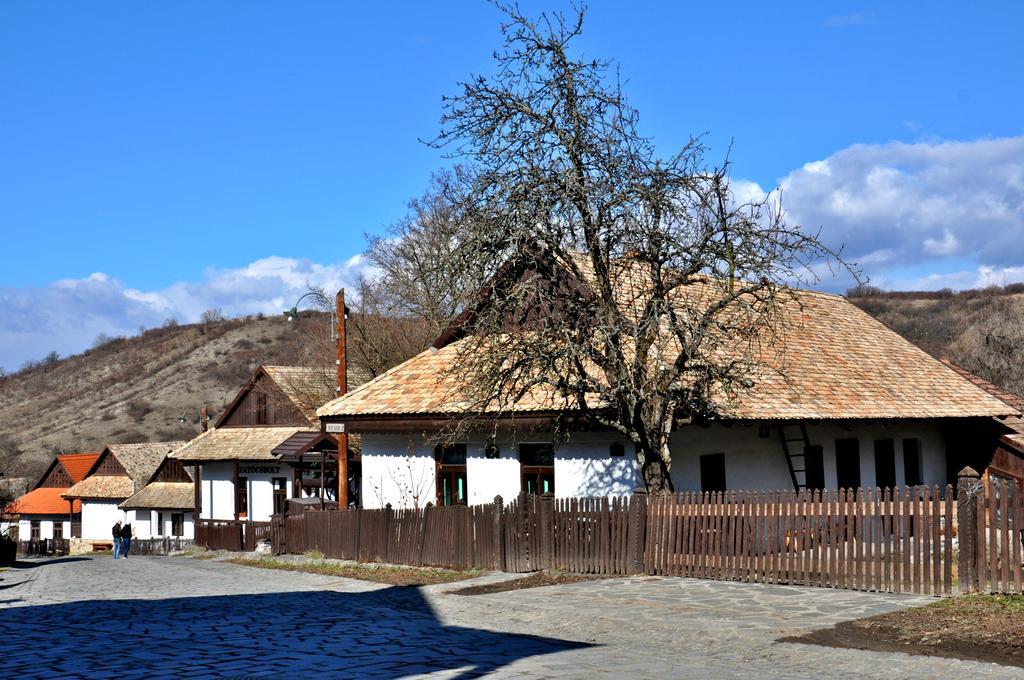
point(324, 301)
point(197, 415)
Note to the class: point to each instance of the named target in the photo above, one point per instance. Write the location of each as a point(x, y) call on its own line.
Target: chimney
point(203, 419)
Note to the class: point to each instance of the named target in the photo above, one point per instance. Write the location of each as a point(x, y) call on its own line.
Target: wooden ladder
point(796, 460)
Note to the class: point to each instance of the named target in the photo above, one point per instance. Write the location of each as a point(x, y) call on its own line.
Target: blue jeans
point(125, 547)
point(117, 548)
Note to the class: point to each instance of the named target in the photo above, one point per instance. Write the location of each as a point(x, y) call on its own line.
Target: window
point(242, 497)
point(280, 485)
point(177, 524)
point(158, 530)
point(537, 468)
point(617, 450)
point(712, 472)
point(848, 463)
point(885, 463)
point(911, 462)
point(452, 488)
point(814, 468)
point(34, 534)
point(58, 531)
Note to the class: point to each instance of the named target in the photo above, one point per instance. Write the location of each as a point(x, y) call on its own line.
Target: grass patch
point(986, 628)
point(394, 575)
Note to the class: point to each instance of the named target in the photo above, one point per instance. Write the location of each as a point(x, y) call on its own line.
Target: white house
point(265, 448)
point(120, 471)
point(164, 507)
point(858, 406)
point(43, 512)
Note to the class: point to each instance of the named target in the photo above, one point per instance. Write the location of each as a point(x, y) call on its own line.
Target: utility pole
point(341, 314)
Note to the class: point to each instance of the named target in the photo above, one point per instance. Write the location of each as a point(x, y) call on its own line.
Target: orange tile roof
point(838, 363)
point(44, 501)
point(78, 464)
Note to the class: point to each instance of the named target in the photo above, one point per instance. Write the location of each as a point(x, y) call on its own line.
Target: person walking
point(115, 531)
point(126, 539)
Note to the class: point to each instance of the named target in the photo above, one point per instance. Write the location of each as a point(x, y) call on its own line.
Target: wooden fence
point(922, 539)
point(991, 534)
point(869, 539)
point(158, 546)
point(457, 537)
point(44, 547)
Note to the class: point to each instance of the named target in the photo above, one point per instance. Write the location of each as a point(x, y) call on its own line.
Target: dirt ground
point(987, 628)
point(534, 580)
point(392, 575)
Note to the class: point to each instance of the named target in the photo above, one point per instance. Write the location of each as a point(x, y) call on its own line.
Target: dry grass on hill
point(136, 389)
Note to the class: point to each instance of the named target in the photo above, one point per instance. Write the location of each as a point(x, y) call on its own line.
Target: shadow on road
point(392, 632)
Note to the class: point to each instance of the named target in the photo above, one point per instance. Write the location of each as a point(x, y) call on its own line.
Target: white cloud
point(897, 205)
point(67, 315)
point(981, 277)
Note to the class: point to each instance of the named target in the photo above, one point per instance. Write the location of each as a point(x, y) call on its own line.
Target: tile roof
point(1014, 400)
point(838, 363)
point(45, 500)
point(102, 487)
point(77, 464)
point(159, 495)
point(236, 443)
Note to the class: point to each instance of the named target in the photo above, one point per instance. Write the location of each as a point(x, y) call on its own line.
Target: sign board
point(259, 468)
point(335, 427)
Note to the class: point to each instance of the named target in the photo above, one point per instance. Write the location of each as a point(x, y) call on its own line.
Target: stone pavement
point(167, 617)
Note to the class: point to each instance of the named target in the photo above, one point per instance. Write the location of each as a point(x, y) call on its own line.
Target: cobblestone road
point(173, 617)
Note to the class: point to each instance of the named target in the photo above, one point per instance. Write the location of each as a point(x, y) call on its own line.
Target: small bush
point(137, 409)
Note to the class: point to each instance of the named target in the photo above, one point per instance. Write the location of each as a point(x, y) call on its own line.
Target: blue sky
point(176, 157)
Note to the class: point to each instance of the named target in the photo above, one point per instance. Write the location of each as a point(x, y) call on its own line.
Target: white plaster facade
point(98, 517)
point(148, 523)
point(46, 523)
point(400, 470)
point(218, 489)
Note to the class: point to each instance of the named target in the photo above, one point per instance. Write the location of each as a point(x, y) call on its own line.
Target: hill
point(981, 330)
point(139, 388)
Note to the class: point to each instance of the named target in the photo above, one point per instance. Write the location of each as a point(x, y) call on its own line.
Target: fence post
point(637, 531)
point(499, 533)
point(547, 530)
point(968, 488)
point(388, 512)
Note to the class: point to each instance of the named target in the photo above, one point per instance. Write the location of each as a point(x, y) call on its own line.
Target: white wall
point(98, 517)
point(397, 471)
point(218, 489)
point(753, 462)
point(400, 470)
point(147, 523)
point(46, 523)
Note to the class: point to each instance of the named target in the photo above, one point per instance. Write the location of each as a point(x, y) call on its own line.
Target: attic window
point(617, 450)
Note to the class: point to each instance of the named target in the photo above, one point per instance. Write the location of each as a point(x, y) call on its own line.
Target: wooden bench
point(100, 546)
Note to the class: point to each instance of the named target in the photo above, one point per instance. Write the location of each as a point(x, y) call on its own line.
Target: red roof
point(44, 501)
point(77, 464)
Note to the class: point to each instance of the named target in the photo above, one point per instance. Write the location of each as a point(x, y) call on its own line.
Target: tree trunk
point(656, 474)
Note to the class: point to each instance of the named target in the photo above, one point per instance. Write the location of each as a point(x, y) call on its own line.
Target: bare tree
point(991, 345)
point(625, 288)
point(416, 279)
point(379, 336)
